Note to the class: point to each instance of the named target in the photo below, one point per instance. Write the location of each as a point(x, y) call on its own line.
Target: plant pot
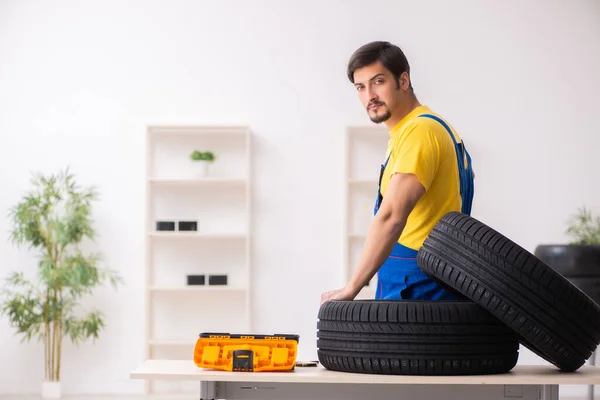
point(580, 264)
point(202, 168)
point(51, 390)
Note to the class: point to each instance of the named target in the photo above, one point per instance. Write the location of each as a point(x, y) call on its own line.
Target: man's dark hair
point(390, 56)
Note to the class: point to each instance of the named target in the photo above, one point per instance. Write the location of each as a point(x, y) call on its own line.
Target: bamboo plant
point(54, 220)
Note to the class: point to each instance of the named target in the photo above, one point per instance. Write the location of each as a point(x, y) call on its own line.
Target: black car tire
point(553, 318)
point(414, 338)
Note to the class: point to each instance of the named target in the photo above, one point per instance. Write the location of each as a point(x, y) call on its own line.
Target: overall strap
point(379, 196)
point(464, 167)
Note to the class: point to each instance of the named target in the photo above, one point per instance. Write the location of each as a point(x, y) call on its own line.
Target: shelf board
point(197, 181)
point(236, 131)
point(199, 288)
point(195, 235)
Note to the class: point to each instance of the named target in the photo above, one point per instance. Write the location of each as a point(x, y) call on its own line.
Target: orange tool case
point(247, 353)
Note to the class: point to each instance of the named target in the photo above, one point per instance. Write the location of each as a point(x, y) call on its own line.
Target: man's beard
point(379, 119)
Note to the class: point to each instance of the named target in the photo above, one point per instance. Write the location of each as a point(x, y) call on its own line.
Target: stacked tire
point(414, 338)
point(512, 298)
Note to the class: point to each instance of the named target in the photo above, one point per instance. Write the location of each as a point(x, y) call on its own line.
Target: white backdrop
point(80, 81)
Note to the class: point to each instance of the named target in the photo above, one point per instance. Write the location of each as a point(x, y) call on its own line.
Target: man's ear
point(404, 81)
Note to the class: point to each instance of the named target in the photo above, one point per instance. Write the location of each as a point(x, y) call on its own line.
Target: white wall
point(79, 83)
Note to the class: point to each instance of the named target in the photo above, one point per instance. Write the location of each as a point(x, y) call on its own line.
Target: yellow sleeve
point(416, 152)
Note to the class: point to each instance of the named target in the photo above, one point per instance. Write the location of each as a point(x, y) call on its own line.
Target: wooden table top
point(519, 375)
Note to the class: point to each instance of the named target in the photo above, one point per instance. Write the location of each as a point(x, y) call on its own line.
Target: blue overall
point(399, 277)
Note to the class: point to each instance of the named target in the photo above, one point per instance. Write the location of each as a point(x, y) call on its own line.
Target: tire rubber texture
point(413, 337)
point(554, 319)
point(589, 286)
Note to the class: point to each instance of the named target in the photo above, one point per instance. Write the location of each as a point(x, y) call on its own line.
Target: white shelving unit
point(364, 152)
point(220, 203)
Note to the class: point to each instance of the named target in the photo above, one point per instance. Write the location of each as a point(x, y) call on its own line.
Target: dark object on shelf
point(188, 225)
point(580, 264)
point(196, 280)
point(217, 279)
point(307, 363)
point(243, 360)
point(165, 225)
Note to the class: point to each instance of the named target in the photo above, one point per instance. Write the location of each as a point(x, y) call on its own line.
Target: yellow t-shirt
point(422, 146)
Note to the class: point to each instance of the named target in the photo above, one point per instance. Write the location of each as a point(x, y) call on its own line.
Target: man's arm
point(403, 192)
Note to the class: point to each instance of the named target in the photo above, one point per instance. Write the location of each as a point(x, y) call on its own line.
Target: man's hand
point(343, 294)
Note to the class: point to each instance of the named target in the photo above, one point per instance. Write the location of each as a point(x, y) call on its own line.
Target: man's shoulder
point(427, 121)
point(421, 127)
point(432, 125)
point(420, 133)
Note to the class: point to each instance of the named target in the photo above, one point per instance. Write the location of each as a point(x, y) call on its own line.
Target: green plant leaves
point(206, 155)
point(24, 306)
point(584, 228)
point(79, 329)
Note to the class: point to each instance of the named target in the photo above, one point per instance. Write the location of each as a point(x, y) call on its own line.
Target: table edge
point(519, 375)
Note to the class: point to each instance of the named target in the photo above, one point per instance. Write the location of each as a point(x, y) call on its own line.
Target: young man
point(426, 174)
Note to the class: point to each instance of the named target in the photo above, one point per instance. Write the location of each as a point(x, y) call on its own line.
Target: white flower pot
point(51, 390)
point(202, 168)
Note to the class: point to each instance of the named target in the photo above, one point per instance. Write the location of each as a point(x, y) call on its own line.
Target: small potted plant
point(203, 159)
point(579, 260)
